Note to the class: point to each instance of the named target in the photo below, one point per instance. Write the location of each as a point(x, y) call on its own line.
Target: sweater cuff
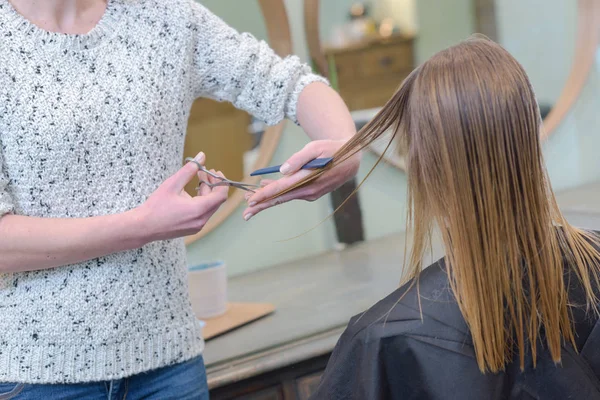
point(305, 79)
point(6, 204)
point(6, 208)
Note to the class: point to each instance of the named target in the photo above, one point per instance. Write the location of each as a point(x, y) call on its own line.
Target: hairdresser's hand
point(170, 212)
point(293, 173)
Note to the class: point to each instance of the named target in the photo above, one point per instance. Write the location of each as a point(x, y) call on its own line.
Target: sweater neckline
point(103, 30)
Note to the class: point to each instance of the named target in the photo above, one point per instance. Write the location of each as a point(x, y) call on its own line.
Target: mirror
point(367, 48)
point(233, 141)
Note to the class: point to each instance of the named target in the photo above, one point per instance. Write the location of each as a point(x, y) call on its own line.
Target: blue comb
point(317, 163)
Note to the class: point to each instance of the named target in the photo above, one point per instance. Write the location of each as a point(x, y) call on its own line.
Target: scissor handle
point(317, 163)
point(203, 169)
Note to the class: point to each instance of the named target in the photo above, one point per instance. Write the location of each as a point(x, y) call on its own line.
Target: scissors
point(222, 181)
point(317, 163)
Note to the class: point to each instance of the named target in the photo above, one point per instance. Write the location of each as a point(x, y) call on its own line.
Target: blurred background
point(370, 47)
point(317, 272)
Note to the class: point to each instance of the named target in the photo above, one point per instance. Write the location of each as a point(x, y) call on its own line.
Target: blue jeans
point(185, 381)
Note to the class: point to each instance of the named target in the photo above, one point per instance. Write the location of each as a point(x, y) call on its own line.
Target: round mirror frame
point(588, 40)
point(279, 36)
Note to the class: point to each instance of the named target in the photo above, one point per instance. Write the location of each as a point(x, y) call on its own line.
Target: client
point(511, 311)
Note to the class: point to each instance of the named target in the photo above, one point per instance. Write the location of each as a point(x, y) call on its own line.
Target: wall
point(541, 35)
point(402, 12)
point(442, 24)
point(333, 13)
point(245, 16)
point(571, 154)
point(545, 48)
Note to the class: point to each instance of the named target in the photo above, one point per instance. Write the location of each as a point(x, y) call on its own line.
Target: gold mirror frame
point(279, 36)
point(587, 42)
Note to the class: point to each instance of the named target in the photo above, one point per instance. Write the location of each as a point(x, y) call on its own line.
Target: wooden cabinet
point(369, 73)
point(294, 382)
point(307, 385)
point(267, 394)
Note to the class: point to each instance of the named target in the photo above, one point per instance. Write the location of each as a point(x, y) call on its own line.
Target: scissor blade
point(241, 186)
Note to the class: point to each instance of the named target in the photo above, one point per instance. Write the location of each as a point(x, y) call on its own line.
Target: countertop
point(315, 298)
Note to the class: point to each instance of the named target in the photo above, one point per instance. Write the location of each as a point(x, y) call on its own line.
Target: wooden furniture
point(220, 129)
point(282, 356)
point(297, 382)
point(279, 37)
point(367, 74)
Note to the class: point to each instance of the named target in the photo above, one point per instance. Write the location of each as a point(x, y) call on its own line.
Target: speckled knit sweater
point(91, 125)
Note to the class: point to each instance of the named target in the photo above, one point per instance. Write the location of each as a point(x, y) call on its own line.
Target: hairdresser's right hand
point(170, 212)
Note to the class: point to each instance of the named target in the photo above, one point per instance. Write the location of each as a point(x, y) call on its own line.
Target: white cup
point(208, 289)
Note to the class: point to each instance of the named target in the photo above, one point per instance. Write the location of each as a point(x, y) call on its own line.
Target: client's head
point(471, 124)
point(469, 120)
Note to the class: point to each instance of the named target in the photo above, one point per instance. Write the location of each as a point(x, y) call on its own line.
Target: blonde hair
point(471, 124)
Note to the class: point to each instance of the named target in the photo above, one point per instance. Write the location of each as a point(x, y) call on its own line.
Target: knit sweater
point(91, 125)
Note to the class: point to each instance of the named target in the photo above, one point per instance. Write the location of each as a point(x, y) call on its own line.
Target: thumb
point(304, 156)
point(185, 174)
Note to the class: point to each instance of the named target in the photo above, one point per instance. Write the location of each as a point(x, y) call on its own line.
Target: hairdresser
point(95, 99)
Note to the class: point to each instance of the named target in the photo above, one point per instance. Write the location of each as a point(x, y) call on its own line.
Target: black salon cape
point(390, 353)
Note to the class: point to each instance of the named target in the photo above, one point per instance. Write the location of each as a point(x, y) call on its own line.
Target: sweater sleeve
point(6, 202)
point(238, 68)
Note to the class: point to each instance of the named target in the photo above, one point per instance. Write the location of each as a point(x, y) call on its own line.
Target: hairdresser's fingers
point(222, 192)
point(212, 179)
point(270, 195)
point(293, 195)
point(177, 181)
point(216, 196)
point(204, 189)
point(331, 180)
point(263, 183)
point(311, 151)
point(274, 187)
point(275, 192)
point(207, 205)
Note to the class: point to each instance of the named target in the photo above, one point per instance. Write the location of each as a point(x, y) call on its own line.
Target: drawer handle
point(386, 61)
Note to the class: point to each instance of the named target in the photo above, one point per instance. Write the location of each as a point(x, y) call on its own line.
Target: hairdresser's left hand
point(293, 173)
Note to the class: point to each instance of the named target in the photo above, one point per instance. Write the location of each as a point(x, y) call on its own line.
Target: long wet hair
point(471, 124)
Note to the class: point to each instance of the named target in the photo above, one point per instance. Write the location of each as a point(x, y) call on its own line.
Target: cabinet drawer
point(307, 385)
point(387, 59)
point(374, 61)
point(373, 92)
point(275, 393)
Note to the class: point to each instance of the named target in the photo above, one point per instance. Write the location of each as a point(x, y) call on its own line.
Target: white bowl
point(208, 289)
